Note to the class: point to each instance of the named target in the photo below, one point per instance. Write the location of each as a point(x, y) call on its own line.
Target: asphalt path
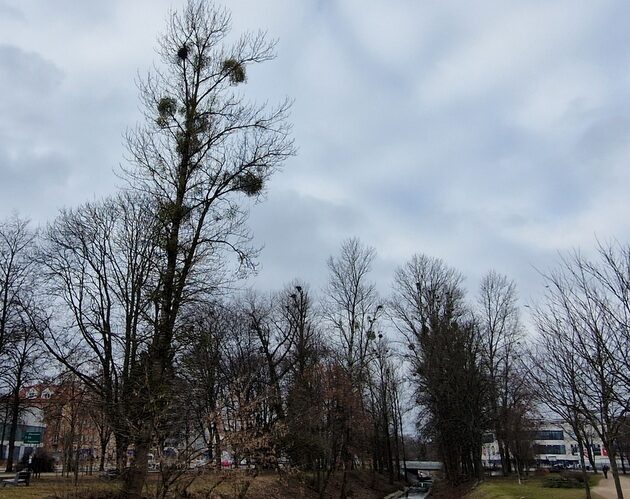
point(606, 487)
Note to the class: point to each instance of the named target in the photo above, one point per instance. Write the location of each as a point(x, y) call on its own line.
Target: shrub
point(573, 475)
point(562, 482)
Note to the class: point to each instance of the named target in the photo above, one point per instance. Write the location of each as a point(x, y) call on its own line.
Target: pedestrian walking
point(605, 469)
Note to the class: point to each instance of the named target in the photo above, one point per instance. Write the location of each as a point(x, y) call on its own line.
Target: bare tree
point(557, 374)
point(24, 360)
point(202, 151)
point(17, 245)
point(305, 442)
point(350, 306)
point(99, 264)
point(18, 343)
point(382, 407)
point(585, 310)
point(99, 419)
point(275, 338)
point(351, 303)
point(200, 363)
point(429, 311)
point(248, 398)
point(296, 314)
point(500, 338)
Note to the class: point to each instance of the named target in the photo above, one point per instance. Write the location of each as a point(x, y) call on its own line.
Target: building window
point(549, 435)
point(31, 394)
point(549, 449)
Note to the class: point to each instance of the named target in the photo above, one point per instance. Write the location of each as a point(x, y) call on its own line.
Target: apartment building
point(52, 417)
point(552, 443)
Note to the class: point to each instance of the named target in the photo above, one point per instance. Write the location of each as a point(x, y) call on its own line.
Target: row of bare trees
point(478, 371)
point(118, 278)
point(267, 378)
point(132, 296)
point(582, 350)
point(281, 376)
point(285, 378)
point(24, 359)
point(465, 361)
point(131, 288)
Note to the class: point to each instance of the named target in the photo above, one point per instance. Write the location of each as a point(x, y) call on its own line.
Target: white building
point(552, 443)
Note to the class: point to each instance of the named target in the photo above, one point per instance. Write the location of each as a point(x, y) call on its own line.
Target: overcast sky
point(490, 134)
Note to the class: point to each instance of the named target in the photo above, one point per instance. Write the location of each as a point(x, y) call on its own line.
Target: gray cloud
point(27, 81)
point(10, 12)
point(491, 135)
point(298, 233)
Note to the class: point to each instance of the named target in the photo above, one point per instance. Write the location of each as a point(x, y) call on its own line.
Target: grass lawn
point(223, 485)
point(50, 486)
point(508, 488)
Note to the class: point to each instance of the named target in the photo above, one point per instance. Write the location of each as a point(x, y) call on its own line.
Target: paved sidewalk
point(606, 488)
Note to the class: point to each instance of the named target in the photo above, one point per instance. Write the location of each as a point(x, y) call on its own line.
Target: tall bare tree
point(500, 336)
point(557, 374)
point(18, 343)
point(350, 308)
point(99, 264)
point(17, 246)
point(351, 303)
point(202, 151)
point(304, 442)
point(585, 311)
point(428, 309)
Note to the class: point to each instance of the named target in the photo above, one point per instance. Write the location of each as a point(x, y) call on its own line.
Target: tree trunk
point(505, 458)
point(478, 464)
point(589, 453)
point(76, 460)
point(612, 457)
point(137, 473)
point(396, 447)
point(324, 482)
point(347, 462)
point(585, 476)
point(402, 441)
point(217, 447)
point(390, 464)
point(121, 451)
point(15, 413)
point(4, 428)
point(103, 441)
